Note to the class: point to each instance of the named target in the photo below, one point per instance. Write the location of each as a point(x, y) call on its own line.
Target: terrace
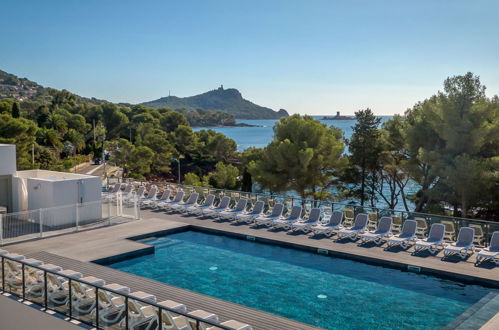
point(85, 251)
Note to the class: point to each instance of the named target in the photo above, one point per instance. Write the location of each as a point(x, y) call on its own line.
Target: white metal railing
point(483, 228)
point(31, 224)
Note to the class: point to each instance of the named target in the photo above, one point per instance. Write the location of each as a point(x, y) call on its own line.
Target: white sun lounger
point(233, 324)
point(140, 316)
point(406, 237)
point(359, 226)
point(222, 206)
point(434, 240)
point(231, 214)
point(198, 209)
point(463, 247)
point(181, 206)
point(129, 198)
point(268, 219)
point(383, 230)
point(111, 306)
point(491, 252)
point(328, 227)
point(204, 316)
point(305, 225)
point(173, 321)
point(249, 216)
point(83, 296)
point(179, 197)
point(286, 223)
point(165, 197)
point(151, 197)
point(58, 288)
point(112, 192)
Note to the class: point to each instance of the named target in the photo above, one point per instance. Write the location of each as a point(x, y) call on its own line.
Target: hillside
point(23, 89)
point(225, 100)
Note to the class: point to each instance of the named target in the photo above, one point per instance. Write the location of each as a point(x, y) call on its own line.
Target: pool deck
point(77, 250)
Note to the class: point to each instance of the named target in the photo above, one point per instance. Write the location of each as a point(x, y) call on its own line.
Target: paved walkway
point(15, 315)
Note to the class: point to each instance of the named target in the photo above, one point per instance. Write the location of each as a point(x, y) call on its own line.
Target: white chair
point(406, 237)
point(306, 225)
point(249, 216)
point(198, 209)
point(329, 226)
point(359, 227)
point(383, 230)
point(463, 247)
point(286, 223)
point(222, 206)
point(179, 197)
point(268, 219)
point(491, 252)
point(434, 240)
point(165, 197)
point(151, 197)
point(231, 214)
point(181, 206)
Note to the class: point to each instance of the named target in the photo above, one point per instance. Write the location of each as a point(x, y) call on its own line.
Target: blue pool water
point(319, 290)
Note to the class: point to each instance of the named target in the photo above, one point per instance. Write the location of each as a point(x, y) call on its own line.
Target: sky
point(309, 57)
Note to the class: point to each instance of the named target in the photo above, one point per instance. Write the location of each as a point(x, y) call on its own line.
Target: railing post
point(40, 220)
point(3, 274)
point(97, 307)
point(45, 287)
point(136, 208)
point(126, 313)
point(24, 280)
point(109, 211)
point(70, 301)
point(160, 318)
point(1, 229)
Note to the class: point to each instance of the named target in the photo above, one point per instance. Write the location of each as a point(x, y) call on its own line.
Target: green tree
point(392, 159)
point(171, 120)
point(225, 176)
point(304, 155)
point(453, 132)
point(21, 132)
point(364, 147)
point(16, 111)
point(192, 179)
point(114, 120)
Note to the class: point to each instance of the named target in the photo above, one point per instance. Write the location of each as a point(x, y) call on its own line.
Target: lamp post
point(178, 166)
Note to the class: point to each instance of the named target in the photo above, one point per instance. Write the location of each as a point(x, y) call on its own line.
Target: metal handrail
point(96, 288)
point(320, 202)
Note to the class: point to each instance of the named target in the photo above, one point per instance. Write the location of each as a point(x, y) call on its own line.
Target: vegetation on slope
point(225, 100)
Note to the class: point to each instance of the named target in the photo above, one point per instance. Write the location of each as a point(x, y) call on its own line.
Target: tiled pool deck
point(77, 250)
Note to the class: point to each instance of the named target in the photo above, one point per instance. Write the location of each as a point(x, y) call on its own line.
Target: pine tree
point(16, 111)
point(364, 147)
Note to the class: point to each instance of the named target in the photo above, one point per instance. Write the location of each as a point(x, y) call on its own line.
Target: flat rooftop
point(50, 175)
point(77, 251)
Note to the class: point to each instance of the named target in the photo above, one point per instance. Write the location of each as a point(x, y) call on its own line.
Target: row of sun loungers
point(380, 233)
point(111, 306)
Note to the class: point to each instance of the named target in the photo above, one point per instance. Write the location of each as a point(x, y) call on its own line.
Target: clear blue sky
point(312, 57)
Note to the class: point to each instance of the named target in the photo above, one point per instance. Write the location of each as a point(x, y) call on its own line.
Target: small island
point(338, 117)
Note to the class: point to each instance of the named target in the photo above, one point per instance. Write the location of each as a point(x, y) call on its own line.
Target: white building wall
point(7, 159)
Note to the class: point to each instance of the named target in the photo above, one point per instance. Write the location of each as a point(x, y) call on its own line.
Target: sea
point(262, 133)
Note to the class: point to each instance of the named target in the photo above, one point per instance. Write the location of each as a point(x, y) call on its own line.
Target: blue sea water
point(261, 136)
point(319, 290)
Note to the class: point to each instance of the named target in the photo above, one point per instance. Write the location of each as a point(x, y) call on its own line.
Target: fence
point(483, 228)
point(26, 225)
point(91, 303)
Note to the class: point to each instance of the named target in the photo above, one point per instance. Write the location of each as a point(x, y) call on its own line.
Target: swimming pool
point(315, 289)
